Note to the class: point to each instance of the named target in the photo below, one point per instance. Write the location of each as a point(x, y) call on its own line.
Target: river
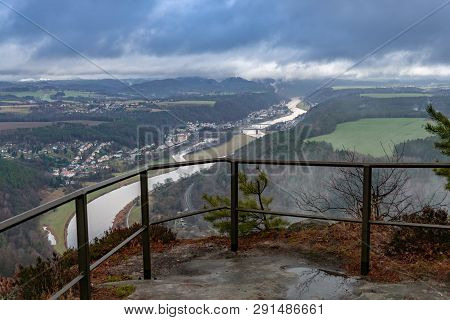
point(295, 112)
point(102, 210)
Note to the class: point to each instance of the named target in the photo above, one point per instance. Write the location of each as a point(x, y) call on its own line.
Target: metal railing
point(81, 214)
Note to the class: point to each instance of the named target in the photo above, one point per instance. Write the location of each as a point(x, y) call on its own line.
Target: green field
point(135, 215)
point(22, 109)
point(46, 94)
point(366, 135)
point(187, 103)
point(395, 95)
point(38, 94)
point(353, 87)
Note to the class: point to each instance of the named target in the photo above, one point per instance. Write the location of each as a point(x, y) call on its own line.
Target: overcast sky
point(290, 39)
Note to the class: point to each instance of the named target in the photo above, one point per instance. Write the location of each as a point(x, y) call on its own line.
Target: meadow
point(31, 124)
point(353, 87)
point(395, 95)
point(45, 95)
point(367, 136)
point(21, 109)
point(187, 103)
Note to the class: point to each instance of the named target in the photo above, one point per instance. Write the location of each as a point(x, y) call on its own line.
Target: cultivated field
point(395, 95)
point(187, 103)
point(76, 93)
point(31, 124)
point(366, 135)
point(45, 95)
point(38, 94)
point(353, 87)
point(22, 125)
point(22, 109)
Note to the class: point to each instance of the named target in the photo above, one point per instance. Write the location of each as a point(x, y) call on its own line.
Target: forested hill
point(19, 185)
point(149, 88)
point(197, 85)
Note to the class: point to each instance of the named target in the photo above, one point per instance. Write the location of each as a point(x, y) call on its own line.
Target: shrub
point(41, 280)
point(45, 277)
point(425, 241)
point(161, 233)
point(6, 288)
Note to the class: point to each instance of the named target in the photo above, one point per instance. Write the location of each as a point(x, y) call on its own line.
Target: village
point(77, 160)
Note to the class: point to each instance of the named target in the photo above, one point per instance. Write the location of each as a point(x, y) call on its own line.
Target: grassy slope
point(135, 215)
point(222, 150)
point(365, 135)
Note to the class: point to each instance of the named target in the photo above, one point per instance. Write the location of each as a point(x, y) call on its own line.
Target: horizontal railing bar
point(432, 165)
point(113, 180)
point(296, 215)
point(35, 212)
point(64, 289)
point(411, 165)
point(138, 171)
point(389, 223)
point(116, 248)
point(300, 163)
point(30, 214)
point(412, 225)
point(189, 214)
point(186, 163)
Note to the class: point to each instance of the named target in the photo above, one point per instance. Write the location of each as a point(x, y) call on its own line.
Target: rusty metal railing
point(81, 214)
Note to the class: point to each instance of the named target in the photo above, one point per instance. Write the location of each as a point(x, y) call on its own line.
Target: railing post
point(234, 205)
point(367, 207)
point(145, 223)
point(83, 246)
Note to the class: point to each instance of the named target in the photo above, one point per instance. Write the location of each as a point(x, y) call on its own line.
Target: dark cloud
point(317, 30)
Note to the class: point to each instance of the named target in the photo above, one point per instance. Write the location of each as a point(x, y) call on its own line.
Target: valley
point(91, 135)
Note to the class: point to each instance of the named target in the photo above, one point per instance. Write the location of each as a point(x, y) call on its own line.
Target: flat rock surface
point(248, 277)
point(216, 273)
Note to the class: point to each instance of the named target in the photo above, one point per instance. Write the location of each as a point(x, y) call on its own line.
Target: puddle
point(318, 284)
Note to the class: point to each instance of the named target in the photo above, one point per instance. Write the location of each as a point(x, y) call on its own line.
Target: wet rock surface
point(213, 272)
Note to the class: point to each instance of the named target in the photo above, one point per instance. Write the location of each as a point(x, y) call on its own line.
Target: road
point(187, 197)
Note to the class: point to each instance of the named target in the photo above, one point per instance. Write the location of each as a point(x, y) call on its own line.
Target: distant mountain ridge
point(150, 88)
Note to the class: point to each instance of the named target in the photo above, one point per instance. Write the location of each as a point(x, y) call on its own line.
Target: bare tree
point(343, 191)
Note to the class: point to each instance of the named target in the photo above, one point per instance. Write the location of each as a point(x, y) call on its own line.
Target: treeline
point(19, 191)
point(164, 88)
